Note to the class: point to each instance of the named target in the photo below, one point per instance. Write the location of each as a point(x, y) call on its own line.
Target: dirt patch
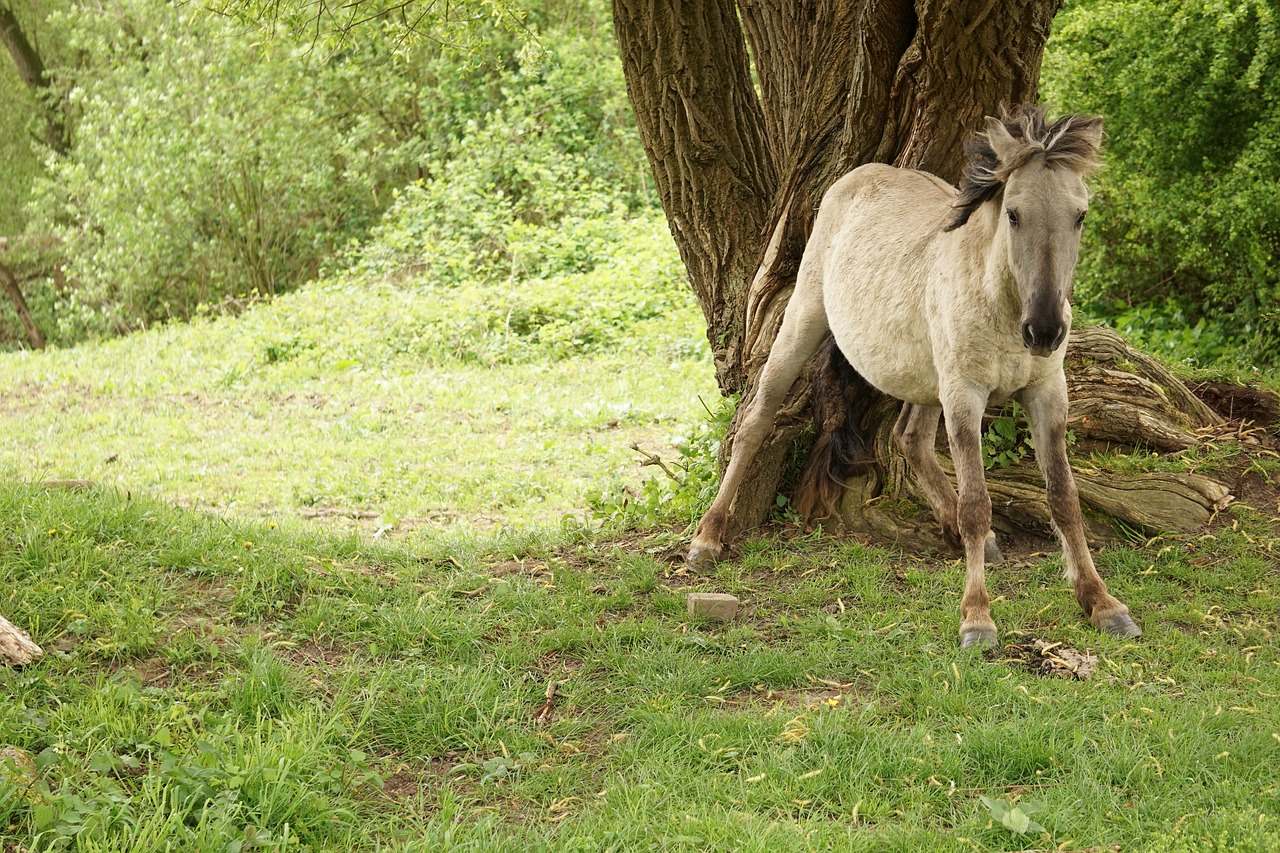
point(1240, 403)
point(407, 782)
point(1052, 660)
point(312, 654)
point(823, 694)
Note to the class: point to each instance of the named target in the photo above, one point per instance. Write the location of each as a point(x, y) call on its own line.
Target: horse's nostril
point(1028, 335)
point(1057, 338)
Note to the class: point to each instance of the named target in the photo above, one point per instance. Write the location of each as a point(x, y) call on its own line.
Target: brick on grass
point(719, 606)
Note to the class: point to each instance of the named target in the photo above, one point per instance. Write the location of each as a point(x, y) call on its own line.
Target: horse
point(950, 300)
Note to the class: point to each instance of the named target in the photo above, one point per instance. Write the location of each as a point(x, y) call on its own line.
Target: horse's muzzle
point(1043, 340)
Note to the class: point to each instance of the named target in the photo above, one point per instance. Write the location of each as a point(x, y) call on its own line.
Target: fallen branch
point(34, 336)
point(654, 459)
point(16, 648)
point(544, 713)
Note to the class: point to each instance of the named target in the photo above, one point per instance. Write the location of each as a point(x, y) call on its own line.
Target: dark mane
point(1070, 141)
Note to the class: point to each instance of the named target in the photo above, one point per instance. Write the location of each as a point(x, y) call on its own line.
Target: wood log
point(1118, 396)
point(16, 648)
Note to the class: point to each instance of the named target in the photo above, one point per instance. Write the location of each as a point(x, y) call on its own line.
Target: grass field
point(224, 685)
point(401, 405)
point(237, 660)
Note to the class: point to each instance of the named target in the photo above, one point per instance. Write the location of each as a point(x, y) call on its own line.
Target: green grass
point(406, 406)
point(213, 682)
point(222, 675)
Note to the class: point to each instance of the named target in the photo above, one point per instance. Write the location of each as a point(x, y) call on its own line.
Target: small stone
point(719, 606)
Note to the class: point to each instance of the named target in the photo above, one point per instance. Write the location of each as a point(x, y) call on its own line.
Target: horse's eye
point(1080, 219)
point(1013, 218)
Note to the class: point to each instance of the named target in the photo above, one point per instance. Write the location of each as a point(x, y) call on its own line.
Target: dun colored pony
point(950, 303)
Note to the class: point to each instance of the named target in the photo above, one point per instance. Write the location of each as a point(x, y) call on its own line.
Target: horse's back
point(871, 249)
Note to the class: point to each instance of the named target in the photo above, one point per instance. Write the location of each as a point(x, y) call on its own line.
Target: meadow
point(333, 583)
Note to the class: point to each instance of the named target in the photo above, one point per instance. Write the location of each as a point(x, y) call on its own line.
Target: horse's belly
point(903, 369)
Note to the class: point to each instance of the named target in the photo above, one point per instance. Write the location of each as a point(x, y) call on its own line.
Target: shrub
point(1189, 206)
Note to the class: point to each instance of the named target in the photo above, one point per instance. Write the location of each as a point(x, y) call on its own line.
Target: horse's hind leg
point(1046, 408)
point(803, 327)
point(916, 433)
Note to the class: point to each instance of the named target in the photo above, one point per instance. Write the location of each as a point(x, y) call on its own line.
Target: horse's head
point(1036, 173)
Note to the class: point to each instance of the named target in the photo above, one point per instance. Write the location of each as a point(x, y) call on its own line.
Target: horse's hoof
point(984, 637)
point(702, 556)
point(991, 552)
point(1120, 625)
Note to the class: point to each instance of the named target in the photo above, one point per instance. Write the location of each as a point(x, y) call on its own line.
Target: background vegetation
point(208, 165)
point(1184, 241)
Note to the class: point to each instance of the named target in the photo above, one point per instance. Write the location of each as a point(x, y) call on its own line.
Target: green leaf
point(1017, 820)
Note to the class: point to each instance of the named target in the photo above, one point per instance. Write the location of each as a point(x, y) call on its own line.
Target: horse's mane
point(1069, 141)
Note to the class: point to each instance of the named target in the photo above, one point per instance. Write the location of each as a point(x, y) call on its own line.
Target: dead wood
point(16, 648)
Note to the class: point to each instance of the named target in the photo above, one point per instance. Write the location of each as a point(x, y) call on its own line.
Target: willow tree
point(750, 110)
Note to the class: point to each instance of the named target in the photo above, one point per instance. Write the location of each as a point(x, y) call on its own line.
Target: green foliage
point(17, 151)
point(1189, 203)
point(1016, 818)
point(540, 185)
point(1167, 330)
point(208, 168)
point(203, 165)
point(1004, 443)
point(681, 495)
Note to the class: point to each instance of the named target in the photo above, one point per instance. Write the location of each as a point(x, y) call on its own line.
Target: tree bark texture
point(749, 111)
point(31, 69)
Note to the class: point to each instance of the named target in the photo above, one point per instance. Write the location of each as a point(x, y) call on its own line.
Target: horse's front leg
point(1046, 407)
point(915, 433)
point(963, 408)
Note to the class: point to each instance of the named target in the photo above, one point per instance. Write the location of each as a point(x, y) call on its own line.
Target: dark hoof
point(982, 637)
point(991, 552)
point(702, 557)
point(1120, 625)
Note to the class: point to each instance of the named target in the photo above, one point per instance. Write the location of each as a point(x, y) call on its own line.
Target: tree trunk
point(741, 171)
point(16, 648)
point(31, 69)
point(750, 111)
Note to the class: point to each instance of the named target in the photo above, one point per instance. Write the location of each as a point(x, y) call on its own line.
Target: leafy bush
point(538, 186)
point(201, 167)
point(207, 166)
point(1189, 206)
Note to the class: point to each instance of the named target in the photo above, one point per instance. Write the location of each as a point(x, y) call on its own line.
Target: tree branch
point(31, 69)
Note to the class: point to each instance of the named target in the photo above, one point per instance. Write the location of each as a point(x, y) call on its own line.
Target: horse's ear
point(1089, 131)
point(1002, 142)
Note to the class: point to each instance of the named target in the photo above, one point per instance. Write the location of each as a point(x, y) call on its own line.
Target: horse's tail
point(840, 397)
